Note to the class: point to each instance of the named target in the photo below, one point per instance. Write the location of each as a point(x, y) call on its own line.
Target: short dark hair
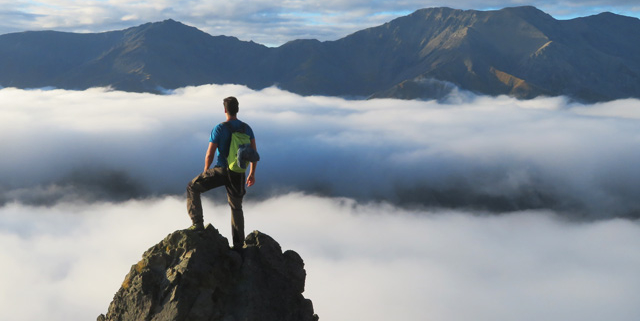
point(231, 104)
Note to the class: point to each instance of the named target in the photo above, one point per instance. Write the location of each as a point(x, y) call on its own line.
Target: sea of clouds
point(481, 153)
point(471, 208)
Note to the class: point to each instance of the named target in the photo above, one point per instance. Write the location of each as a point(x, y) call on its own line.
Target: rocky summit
point(196, 276)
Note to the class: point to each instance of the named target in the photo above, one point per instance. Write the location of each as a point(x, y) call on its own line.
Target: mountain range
point(520, 51)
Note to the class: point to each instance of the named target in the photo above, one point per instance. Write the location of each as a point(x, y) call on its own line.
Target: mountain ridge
point(517, 51)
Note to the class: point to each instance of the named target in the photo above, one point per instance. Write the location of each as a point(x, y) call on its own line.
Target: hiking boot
point(237, 248)
point(198, 227)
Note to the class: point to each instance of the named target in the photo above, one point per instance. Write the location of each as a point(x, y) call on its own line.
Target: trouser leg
point(237, 220)
point(194, 203)
point(212, 178)
point(235, 193)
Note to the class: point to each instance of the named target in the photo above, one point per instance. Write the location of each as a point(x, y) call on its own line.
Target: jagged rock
point(196, 276)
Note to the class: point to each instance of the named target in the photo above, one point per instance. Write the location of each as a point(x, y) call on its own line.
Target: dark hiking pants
point(216, 177)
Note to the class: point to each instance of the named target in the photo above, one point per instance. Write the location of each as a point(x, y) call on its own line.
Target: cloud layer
point(390, 203)
point(370, 261)
point(266, 22)
point(487, 154)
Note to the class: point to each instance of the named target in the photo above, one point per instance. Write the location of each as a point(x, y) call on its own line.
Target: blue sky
point(270, 22)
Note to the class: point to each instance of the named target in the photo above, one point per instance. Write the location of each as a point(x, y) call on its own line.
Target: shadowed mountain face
point(146, 58)
point(520, 51)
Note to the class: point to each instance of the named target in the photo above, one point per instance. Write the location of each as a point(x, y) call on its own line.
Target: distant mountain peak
point(165, 24)
point(528, 12)
point(528, 9)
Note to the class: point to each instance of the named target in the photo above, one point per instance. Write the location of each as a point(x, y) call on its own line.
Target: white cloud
point(70, 151)
point(618, 109)
point(500, 153)
point(65, 262)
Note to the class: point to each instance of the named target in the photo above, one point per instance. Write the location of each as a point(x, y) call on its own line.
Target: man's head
point(231, 105)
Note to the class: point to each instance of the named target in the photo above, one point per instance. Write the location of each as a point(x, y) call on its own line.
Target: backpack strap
point(243, 128)
point(228, 126)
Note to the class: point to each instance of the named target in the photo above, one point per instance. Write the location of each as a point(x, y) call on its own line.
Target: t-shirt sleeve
point(215, 134)
point(250, 132)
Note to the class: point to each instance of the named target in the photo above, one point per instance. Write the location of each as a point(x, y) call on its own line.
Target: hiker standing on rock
point(236, 147)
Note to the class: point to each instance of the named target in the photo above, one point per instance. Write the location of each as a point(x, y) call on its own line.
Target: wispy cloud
point(65, 262)
point(405, 222)
point(490, 154)
point(267, 22)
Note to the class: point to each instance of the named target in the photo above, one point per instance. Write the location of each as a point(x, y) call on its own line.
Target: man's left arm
point(251, 179)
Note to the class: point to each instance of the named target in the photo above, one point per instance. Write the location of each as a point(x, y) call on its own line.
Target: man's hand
point(251, 179)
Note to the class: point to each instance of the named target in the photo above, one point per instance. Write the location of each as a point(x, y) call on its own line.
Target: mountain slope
point(37, 59)
point(521, 51)
point(152, 56)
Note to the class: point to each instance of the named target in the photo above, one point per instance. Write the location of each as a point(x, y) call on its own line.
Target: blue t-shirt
point(221, 136)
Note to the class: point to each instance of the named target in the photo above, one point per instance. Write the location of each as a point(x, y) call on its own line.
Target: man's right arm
point(211, 152)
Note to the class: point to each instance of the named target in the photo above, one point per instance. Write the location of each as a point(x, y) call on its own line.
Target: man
point(221, 175)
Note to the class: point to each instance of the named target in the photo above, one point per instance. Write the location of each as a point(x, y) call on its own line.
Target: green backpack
point(239, 139)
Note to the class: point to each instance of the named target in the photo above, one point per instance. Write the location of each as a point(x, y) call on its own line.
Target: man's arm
point(211, 152)
point(251, 179)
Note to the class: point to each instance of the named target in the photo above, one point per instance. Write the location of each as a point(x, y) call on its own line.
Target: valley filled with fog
point(468, 208)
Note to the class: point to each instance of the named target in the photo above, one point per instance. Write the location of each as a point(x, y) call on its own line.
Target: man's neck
point(230, 118)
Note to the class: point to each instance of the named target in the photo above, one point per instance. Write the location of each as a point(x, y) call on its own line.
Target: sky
point(272, 22)
point(467, 208)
